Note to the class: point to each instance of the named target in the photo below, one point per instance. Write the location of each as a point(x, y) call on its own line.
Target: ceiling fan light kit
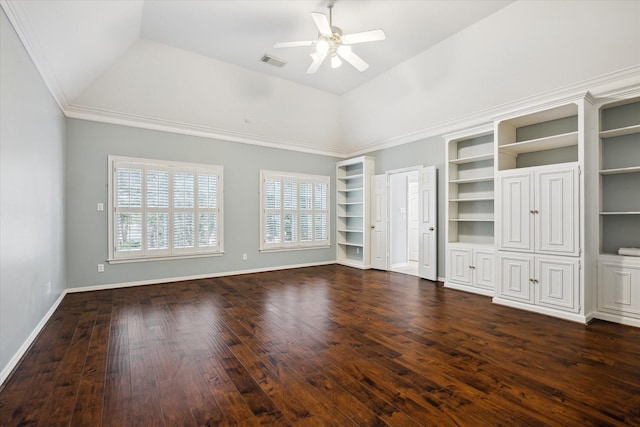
point(331, 42)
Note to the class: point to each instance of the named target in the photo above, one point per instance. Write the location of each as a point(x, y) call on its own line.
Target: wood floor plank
point(327, 345)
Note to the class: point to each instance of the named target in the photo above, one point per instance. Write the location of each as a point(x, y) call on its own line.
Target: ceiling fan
point(331, 42)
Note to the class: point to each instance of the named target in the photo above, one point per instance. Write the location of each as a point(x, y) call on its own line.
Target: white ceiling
point(240, 32)
point(79, 40)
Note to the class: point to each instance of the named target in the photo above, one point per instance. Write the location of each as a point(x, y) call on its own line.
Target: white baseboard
point(196, 277)
point(6, 371)
point(617, 318)
point(558, 314)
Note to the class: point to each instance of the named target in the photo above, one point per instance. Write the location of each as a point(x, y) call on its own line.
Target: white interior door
point(428, 211)
point(414, 220)
point(379, 251)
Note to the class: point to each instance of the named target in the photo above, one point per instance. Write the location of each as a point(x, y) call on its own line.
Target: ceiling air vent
point(272, 60)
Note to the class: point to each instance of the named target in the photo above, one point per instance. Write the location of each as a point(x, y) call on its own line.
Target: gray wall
point(426, 152)
point(89, 144)
point(32, 140)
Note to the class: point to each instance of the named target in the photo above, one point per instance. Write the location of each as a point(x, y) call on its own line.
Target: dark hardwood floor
point(319, 346)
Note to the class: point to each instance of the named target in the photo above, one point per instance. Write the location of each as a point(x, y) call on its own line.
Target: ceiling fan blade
point(318, 58)
point(353, 59)
point(367, 36)
point(322, 23)
point(293, 44)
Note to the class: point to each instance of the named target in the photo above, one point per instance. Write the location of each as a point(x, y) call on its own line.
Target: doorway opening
point(404, 222)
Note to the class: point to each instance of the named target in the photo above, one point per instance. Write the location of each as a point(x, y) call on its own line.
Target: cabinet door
point(515, 225)
point(459, 263)
point(557, 211)
point(557, 283)
point(619, 289)
point(516, 277)
point(484, 271)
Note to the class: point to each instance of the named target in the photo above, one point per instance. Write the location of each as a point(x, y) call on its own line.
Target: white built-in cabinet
point(353, 217)
point(471, 268)
point(470, 230)
point(540, 202)
point(539, 280)
point(540, 212)
point(618, 290)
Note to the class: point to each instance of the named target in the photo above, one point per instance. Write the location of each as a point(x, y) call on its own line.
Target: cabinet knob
point(532, 211)
point(531, 280)
point(373, 226)
point(431, 228)
point(472, 267)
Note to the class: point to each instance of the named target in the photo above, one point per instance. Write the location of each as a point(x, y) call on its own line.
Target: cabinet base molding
point(572, 317)
point(471, 289)
point(616, 318)
point(354, 264)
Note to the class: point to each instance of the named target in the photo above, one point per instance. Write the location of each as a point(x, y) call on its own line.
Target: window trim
point(171, 254)
point(299, 177)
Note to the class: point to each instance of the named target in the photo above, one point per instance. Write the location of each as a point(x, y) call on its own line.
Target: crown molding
point(24, 28)
point(609, 87)
point(481, 130)
point(619, 84)
point(134, 120)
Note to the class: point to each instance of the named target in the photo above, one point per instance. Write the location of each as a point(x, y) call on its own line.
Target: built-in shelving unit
point(618, 278)
point(353, 180)
point(540, 138)
point(470, 187)
point(619, 176)
point(540, 209)
point(470, 210)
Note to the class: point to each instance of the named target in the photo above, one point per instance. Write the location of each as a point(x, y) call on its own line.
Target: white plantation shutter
point(294, 210)
point(157, 212)
point(128, 213)
point(163, 209)
point(208, 212)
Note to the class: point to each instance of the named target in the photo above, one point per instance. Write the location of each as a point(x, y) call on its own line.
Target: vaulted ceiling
point(194, 66)
point(81, 39)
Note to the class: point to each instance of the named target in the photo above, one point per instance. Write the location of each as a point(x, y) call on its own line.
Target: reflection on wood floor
point(326, 345)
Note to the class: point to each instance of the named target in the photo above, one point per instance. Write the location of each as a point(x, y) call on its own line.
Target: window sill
point(294, 248)
point(162, 258)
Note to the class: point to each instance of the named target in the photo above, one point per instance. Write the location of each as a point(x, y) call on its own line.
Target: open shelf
point(627, 130)
point(633, 169)
point(620, 213)
point(541, 144)
point(471, 159)
point(470, 180)
point(472, 199)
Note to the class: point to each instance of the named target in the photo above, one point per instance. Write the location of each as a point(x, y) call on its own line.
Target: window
point(164, 209)
point(295, 213)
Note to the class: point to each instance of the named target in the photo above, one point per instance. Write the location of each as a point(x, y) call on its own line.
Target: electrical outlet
point(100, 268)
point(100, 207)
point(357, 250)
point(244, 257)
